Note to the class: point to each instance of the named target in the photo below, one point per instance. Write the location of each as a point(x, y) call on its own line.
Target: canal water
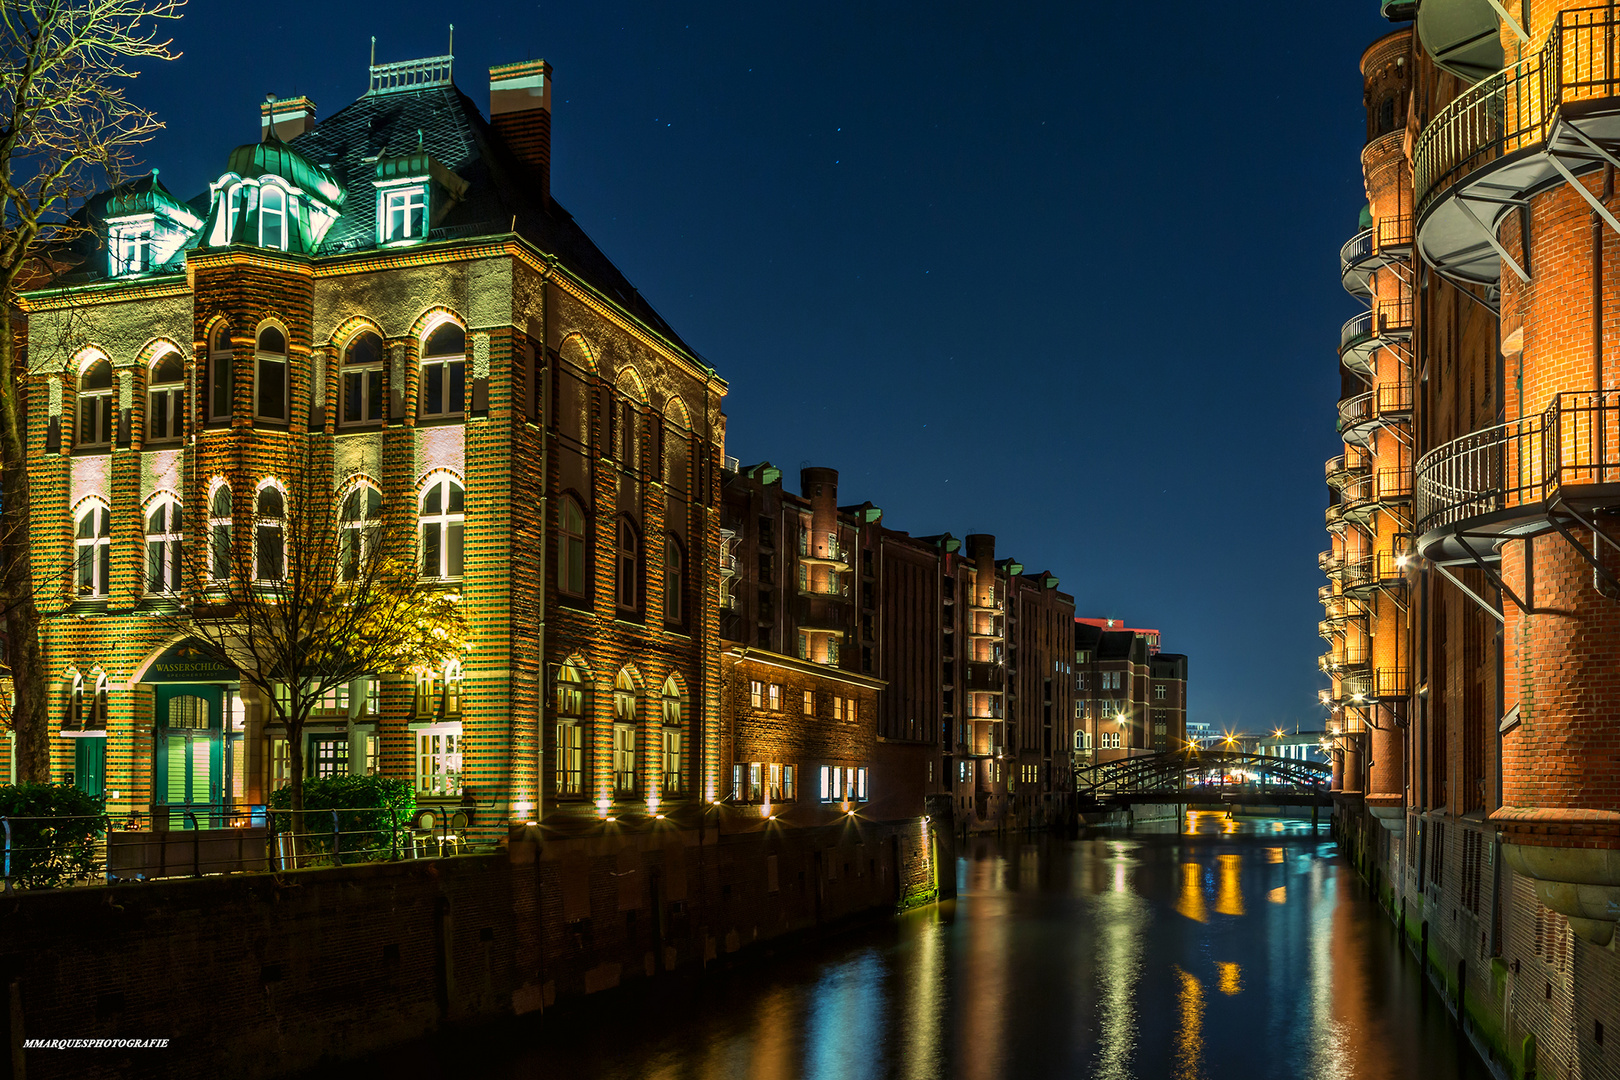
point(1233, 948)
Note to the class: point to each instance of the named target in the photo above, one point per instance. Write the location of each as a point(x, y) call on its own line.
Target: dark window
point(444, 363)
point(443, 523)
point(95, 405)
point(674, 582)
point(220, 387)
point(270, 536)
point(571, 549)
point(629, 560)
point(166, 399)
point(271, 382)
point(362, 380)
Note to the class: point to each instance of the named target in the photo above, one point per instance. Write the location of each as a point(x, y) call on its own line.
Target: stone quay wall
point(264, 975)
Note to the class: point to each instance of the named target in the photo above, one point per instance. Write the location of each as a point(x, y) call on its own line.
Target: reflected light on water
point(925, 1007)
point(774, 1031)
point(1229, 897)
point(1121, 918)
point(846, 1019)
point(1279, 895)
point(1231, 972)
point(1191, 901)
point(1190, 1045)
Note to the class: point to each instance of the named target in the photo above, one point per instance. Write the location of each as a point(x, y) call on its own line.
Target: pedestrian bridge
point(1207, 776)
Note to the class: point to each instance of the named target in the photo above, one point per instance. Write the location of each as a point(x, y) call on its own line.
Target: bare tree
point(322, 588)
point(67, 130)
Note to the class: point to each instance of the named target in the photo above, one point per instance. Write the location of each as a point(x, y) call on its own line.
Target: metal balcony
point(985, 677)
point(1332, 565)
point(831, 553)
point(1388, 323)
point(1335, 517)
point(1375, 685)
point(1359, 576)
point(1358, 414)
point(1534, 123)
point(1520, 478)
point(1344, 468)
point(1358, 259)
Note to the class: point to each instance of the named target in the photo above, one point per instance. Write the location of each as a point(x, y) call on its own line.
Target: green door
point(90, 766)
point(187, 772)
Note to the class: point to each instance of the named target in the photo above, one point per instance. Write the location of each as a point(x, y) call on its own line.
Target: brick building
point(974, 666)
point(392, 298)
point(1129, 697)
point(1472, 603)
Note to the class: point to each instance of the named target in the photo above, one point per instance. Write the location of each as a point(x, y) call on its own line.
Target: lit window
point(774, 696)
point(220, 531)
point(270, 387)
point(131, 249)
point(629, 586)
point(166, 399)
point(674, 747)
point(1158, 691)
point(95, 405)
point(270, 535)
point(452, 688)
point(444, 362)
point(571, 549)
point(438, 760)
point(358, 533)
point(838, 708)
point(362, 380)
point(92, 544)
point(272, 217)
point(163, 533)
point(789, 787)
point(443, 525)
point(860, 784)
point(624, 734)
point(404, 213)
point(329, 757)
point(809, 703)
point(756, 786)
point(756, 693)
point(221, 388)
point(773, 784)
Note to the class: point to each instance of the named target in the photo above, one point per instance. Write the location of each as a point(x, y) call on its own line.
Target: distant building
point(1297, 746)
point(1129, 697)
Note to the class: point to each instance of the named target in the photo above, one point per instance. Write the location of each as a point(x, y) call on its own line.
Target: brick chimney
point(520, 111)
point(287, 118)
point(981, 548)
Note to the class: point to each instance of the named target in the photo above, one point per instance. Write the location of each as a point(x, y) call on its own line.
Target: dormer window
point(131, 249)
point(404, 213)
point(272, 217)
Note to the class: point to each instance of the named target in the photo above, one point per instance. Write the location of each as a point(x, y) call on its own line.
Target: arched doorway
point(197, 738)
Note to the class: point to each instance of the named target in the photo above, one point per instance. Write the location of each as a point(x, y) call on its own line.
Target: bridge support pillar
point(1315, 810)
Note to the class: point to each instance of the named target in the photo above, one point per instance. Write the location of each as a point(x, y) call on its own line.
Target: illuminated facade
point(1130, 698)
point(392, 298)
point(1473, 584)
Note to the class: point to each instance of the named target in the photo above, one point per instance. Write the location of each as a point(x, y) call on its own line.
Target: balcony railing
point(1394, 485)
point(1395, 317)
point(1379, 684)
point(1574, 442)
point(1394, 234)
point(1335, 517)
point(1513, 109)
point(1358, 249)
point(1394, 399)
point(1356, 329)
point(1356, 410)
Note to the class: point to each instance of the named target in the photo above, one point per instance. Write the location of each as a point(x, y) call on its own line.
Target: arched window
point(272, 217)
point(98, 705)
point(358, 532)
point(629, 566)
point(270, 535)
point(221, 387)
point(270, 387)
point(571, 548)
point(452, 688)
point(163, 535)
point(570, 709)
point(166, 399)
point(443, 522)
point(92, 544)
point(95, 405)
point(674, 582)
point(444, 362)
point(362, 380)
point(220, 532)
point(674, 708)
point(624, 733)
point(75, 716)
point(1386, 116)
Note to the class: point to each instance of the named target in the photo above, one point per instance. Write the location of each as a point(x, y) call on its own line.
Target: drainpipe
point(1598, 583)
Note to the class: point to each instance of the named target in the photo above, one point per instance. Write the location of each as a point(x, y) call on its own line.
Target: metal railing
point(1355, 329)
point(58, 851)
point(1394, 484)
point(1334, 516)
point(1335, 466)
point(1379, 684)
point(1395, 316)
point(1356, 410)
point(1513, 109)
point(1395, 232)
point(411, 74)
point(1357, 249)
point(1574, 442)
point(1394, 398)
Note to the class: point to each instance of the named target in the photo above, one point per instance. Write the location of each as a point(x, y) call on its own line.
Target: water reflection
point(1227, 948)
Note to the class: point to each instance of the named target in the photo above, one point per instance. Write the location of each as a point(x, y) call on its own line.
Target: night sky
point(1066, 274)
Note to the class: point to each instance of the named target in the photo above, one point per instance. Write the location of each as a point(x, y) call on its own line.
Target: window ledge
point(89, 606)
point(368, 427)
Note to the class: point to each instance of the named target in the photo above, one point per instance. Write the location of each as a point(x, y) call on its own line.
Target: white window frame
point(263, 523)
point(221, 533)
point(168, 540)
point(93, 551)
point(262, 358)
point(221, 352)
point(438, 749)
point(98, 430)
point(362, 382)
point(445, 522)
point(276, 235)
point(359, 528)
point(172, 394)
point(402, 201)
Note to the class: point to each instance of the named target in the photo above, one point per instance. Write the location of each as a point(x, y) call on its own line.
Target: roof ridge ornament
point(402, 75)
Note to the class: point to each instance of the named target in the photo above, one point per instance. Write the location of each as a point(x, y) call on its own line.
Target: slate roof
point(446, 124)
